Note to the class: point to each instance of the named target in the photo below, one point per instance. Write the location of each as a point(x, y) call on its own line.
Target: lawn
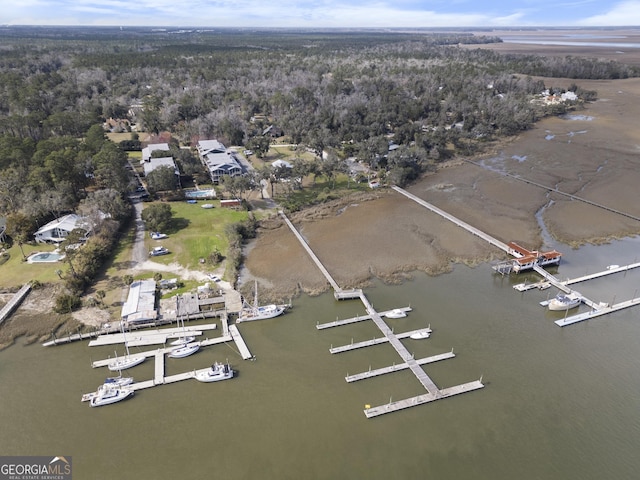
point(196, 232)
point(15, 271)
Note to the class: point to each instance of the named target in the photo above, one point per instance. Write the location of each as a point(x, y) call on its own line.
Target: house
point(281, 164)
point(273, 131)
point(218, 161)
point(149, 149)
point(140, 306)
point(154, 163)
point(56, 231)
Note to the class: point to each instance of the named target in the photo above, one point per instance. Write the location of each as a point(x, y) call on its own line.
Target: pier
point(597, 309)
point(15, 301)
point(347, 321)
point(395, 368)
point(408, 360)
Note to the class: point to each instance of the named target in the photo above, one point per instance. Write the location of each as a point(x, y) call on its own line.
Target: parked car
point(157, 251)
point(158, 235)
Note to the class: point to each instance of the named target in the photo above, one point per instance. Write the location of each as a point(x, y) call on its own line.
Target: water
point(558, 403)
point(200, 194)
point(45, 257)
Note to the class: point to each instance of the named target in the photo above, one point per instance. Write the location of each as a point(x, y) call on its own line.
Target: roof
point(154, 163)
point(141, 300)
point(67, 223)
point(152, 147)
point(281, 163)
point(210, 146)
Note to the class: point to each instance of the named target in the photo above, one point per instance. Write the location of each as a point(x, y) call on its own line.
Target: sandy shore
point(592, 153)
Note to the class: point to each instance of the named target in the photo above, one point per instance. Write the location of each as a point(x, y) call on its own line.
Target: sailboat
point(128, 361)
point(186, 346)
point(256, 312)
point(184, 338)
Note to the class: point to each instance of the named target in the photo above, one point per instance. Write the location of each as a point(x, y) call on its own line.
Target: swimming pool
point(200, 193)
point(45, 257)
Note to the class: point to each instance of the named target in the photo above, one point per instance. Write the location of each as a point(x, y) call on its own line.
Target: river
point(558, 403)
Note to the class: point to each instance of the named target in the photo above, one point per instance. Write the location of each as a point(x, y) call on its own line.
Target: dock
point(390, 337)
point(347, 321)
point(150, 337)
point(597, 312)
point(376, 341)
point(15, 301)
point(422, 399)
point(233, 335)
point(396, 367)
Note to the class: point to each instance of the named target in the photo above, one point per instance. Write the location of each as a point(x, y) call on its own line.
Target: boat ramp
point(388, 337)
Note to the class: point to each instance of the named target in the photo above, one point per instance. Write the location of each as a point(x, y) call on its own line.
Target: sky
point(323, 13)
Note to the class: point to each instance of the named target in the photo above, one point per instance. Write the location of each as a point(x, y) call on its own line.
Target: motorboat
point(217, 372)
point(107, 395)
point(185, 350)
point(564, 301)
point(118, 381)
point(207, 205)
point(395, 313)
point(421, 335)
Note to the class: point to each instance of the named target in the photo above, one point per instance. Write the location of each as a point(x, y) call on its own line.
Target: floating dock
point(409, 362)
point(376, 341)
point(150, 337)
point(347, 321)
point(396, 368)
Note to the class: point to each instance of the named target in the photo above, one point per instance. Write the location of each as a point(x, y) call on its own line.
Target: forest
point(349, 93)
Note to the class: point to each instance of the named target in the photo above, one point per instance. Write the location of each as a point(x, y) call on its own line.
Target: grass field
point(16, 271)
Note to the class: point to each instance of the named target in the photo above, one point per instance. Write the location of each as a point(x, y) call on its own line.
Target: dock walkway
point(347, 321)
point(469, 228)
point(15, 301)
point(395, 368)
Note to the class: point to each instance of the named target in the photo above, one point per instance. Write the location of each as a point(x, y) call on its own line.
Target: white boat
point(185, 350)
point(217, 372)
point(158, 235)
point(122, 363)
point(395, 313)
point(420, 335)
point(183, 340)
point(118, 381)
point(128, 361)
point(255, 312)
point(207, 205)
point(107, 395)
point(565, 301)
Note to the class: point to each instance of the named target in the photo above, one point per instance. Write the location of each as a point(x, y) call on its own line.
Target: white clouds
point(621, 14)
point(321, 13)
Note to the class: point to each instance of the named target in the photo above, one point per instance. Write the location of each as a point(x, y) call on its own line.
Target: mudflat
point(592, 153)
